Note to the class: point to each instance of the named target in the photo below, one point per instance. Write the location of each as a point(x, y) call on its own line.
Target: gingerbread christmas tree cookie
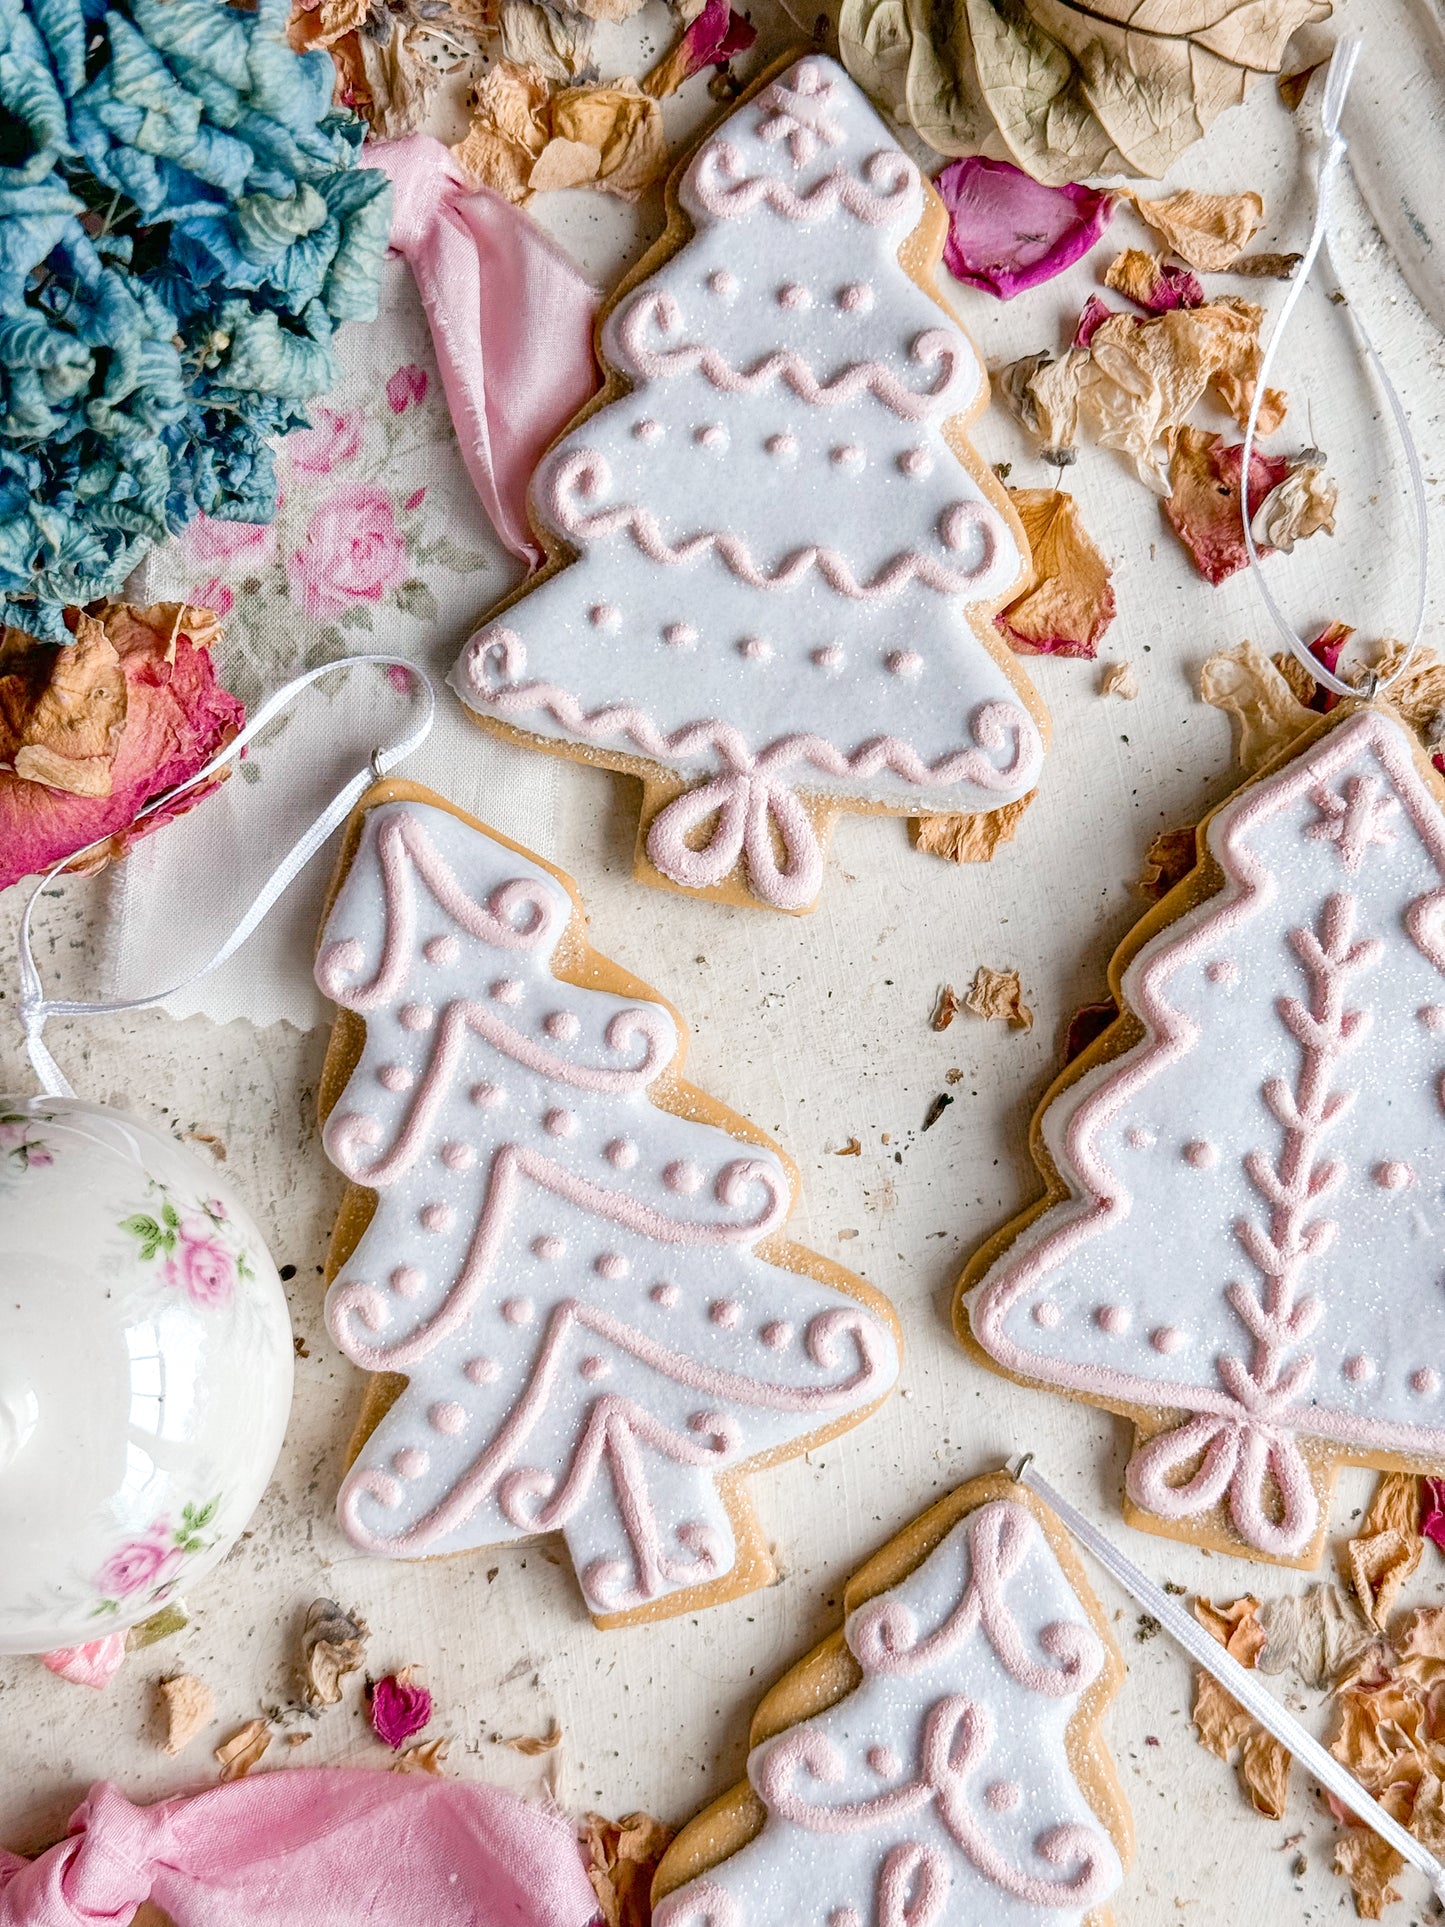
point(939, 1759)
point(773, 557)
point(570, 1261)
point(1240, 1245)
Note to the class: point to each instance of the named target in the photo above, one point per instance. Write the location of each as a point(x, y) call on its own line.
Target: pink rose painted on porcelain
point(333, 438)
point(208, 540)
point(202, 1266)
point(352, 552)
point(141, 1565)
point(407, 385)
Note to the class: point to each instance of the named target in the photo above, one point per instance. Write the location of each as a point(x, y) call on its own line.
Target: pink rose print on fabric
point(211, 595)
point(208, 540)
point(334, 437)
point(202, 1267)
point(140, 1565)
point(406, 386)
point(352, 552)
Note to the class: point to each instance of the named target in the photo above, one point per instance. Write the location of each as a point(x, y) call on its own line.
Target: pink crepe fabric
point(511, 321)
point(308, 1847)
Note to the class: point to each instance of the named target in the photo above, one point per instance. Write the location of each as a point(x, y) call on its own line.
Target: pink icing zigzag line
point(1172, 1034)
point(401, 838)
point(934, 347)
point(510, 1165)
point(497, 1469)
point(588, 473)
point(912, 1890)
point(957, 1736)
point(885, 1638)
point(720, 187)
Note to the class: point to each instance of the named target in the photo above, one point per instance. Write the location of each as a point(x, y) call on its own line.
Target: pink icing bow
point(308, 1847)
point(748, 805)
point(510, 317)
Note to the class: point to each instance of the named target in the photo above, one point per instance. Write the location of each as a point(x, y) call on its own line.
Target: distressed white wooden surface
point(819, 1030)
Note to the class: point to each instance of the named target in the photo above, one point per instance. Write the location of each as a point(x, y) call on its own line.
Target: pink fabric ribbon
point(511, 321)
point(308, 1847)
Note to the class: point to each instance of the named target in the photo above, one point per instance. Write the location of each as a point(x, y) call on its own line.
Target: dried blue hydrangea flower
point(182, 224)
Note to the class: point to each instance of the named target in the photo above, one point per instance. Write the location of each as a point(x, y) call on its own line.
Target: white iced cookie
point(954, 1771)
point(575, 1258)
point(1243, 1253)
point(772, 575)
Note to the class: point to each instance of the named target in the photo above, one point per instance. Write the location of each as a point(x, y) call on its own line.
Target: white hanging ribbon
point(36, 1009)
point(1337, 86)
point(1238, 1681)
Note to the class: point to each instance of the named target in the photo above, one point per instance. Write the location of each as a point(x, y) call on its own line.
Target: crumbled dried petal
point(1043, 391)
point(1236, 1626)
point(322, 24)
point(532, 1744)
point(1432, 1511)
point(559, 44)
point(998, 995)
point(1293, 87)
point(428, 1756)
point(1222, 1722)
point(624, 127)
point(243, 1749)
point(1209, 231)
point(1315, 1634)
point(1171, 856)
point(1088, 1023)
point(333, 1643)
point(187, 1706)
point(1299, 506)
point(621, 1857)
point(1092, 317)
point(1379, 1565)
point(1118, 679)
point(1205, 508)
point(1264, 1773)
point(946, 1009)
point(713, 38)
point(400, 1706)
point(1268, 267)
point(610, 11)
point(1419, 695)
point(71, 734)
point(972, 838)
point(1394, 1506)
point(402, 76)
point(169, 1620)
point(509, 128)
point(1067, 603)
point(1153, 282)
point(1370, 1866)
point(1245, 683)
point(564, 163)
point(1008, 232)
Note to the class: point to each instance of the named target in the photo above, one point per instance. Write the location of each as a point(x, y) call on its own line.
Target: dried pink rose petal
point(1156, 284)
point(1007, 232)
point(712, 40)
point(1432, 1509)
point(399, 1708)
point(94, 1664)
point(1093, 316)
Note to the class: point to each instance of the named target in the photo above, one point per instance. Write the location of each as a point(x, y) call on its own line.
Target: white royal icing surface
point(940, 1789)
point(777, 548)
point(1254, 1235)
point(565, 1273)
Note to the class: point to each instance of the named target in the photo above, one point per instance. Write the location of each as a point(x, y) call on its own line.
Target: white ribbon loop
point(36, 1009)
point(1337, 86)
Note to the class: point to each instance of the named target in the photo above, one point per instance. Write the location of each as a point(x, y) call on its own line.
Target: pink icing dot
point(1200, 1154)
point(883, 1761)
point(385, 1489)
point(1168, 1339)
point(756, 649)
point(647, 430)
point(518, 1311)
point(1139, 1139)
point(605, 615)
point(562, 1025)
point(776, 1333)
point(594, 1367)
point(848, 455)
point(621, 1153)
point(1046, 1314)
point(1393, 1175)
point(1359, 1370)
point(679, 634)
point(549, 1247)
point(856, 298)
point(664, 1295)
point(682, 1176)
point(611, 1264)
point(560, 1123)
point(506, 990)
point(1432, 1016)
point(482, 1371)
point(417, 1016)
point(916, 462)
point(1426, 1381)
point(723, 283)
point(1224, 970)
point(442, 950)
point(407, 1281)
point(485, 1095)
point(1113, 1319)
point(445, 1416)
point(1004, 1795)
point(784, 444)
point(395, 1077)
point(411, 1462)
point(793, 295)
point(438, 1217)
point(711, 435)
point(458, 1157)
point(725, 1312)
point(830, 656)
point(903, 662)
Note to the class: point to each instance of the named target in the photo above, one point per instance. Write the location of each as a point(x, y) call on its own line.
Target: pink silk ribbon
point(510, 317)
point(308, 1847)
